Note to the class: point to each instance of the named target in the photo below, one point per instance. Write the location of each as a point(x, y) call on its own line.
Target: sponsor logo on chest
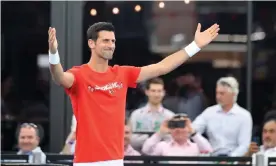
point(110, 87)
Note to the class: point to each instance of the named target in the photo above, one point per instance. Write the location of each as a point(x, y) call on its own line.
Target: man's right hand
point(164, 128)
point(253, 148)
point(53, 45)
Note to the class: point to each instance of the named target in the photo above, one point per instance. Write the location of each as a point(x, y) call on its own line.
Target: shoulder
point(76, 69)
point(121, 69)
point(211, 109)
point(136, 153)
point(168, 113)
point(193, 145)
point(126, 68)
point(43, 154)
point(118, 67)
point(137, 112)
point(163, 144)
point(243, 112)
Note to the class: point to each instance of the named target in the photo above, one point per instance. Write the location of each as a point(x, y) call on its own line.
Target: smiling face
point(269, 134)
point(27, 139)
point(104, 46)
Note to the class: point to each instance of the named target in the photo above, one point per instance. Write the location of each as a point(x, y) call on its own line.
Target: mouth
point(108, 50)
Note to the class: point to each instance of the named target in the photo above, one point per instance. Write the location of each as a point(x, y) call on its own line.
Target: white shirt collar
point(148, 108)
point(267, 151)
point(233, 110)
point(37, 149)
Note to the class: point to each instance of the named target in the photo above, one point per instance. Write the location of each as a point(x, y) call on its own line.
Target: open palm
point(52, 40)
point(204, 38)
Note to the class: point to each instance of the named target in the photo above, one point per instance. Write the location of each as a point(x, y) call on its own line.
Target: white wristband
point(54, 58)
point(192, 49)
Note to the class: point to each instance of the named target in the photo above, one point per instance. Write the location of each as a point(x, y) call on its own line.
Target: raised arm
point(176, 59)
point(60, 77)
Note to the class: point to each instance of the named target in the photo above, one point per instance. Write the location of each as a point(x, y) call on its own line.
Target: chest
point(149, 121)
point(181, 151)
point(105, 87)
point(224, 124)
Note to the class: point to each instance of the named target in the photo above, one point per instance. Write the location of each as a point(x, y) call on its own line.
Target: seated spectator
point(228, 126)
point(150, 117)
point(28, 142)
point(269, 141)
point(129, 151)
point(180, 144)
point(69, 147)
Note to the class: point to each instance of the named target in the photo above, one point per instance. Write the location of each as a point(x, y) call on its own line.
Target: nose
point(25, 140)
point(111, 44)
point(266, 135)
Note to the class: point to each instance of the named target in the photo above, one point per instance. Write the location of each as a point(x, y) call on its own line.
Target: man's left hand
point(204, 38)
point(189, 126)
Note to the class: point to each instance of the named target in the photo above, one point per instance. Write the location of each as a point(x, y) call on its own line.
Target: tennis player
point(98, 91)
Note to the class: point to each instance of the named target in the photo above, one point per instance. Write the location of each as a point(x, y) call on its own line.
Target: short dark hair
point(93, 30)
point(270, 116)
point(154, 81)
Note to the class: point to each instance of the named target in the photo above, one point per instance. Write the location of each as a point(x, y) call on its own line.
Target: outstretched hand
point(52, 40)
point(204, 38)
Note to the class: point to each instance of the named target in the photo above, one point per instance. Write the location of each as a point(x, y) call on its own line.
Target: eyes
point(109, 40)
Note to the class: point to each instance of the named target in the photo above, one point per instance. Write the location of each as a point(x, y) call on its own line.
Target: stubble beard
point(107, 55)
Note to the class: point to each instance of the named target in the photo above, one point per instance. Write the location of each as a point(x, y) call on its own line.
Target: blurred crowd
point(180, 126)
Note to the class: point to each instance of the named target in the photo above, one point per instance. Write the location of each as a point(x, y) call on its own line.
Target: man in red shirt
point(98, 91)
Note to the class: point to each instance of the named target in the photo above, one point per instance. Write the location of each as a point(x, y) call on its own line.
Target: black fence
point(67, 160)
point(56, 159)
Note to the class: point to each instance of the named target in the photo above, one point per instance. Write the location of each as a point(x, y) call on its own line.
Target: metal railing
point(57, 159)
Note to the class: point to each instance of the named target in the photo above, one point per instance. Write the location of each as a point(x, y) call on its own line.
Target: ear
point(147, 92)
point(38, 139)
point(91, 43)
point(164, 93)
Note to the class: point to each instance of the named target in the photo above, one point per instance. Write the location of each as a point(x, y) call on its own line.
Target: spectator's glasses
point(29, 125)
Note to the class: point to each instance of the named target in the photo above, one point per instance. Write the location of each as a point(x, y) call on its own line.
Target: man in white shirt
point(227, 125)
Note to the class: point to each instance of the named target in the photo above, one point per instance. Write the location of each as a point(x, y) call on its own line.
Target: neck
point(181, 142)
point(98, 64)
point(266, 147)
point(154, 106)
point(227, 107)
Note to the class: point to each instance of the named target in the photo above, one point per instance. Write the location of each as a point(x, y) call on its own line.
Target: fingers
point(214, 31)
point(214, 35)
point(52, 34)
point(254, 150)
point(254, 147)
point(213, 28)
point(253, 144)
point(198, 27)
